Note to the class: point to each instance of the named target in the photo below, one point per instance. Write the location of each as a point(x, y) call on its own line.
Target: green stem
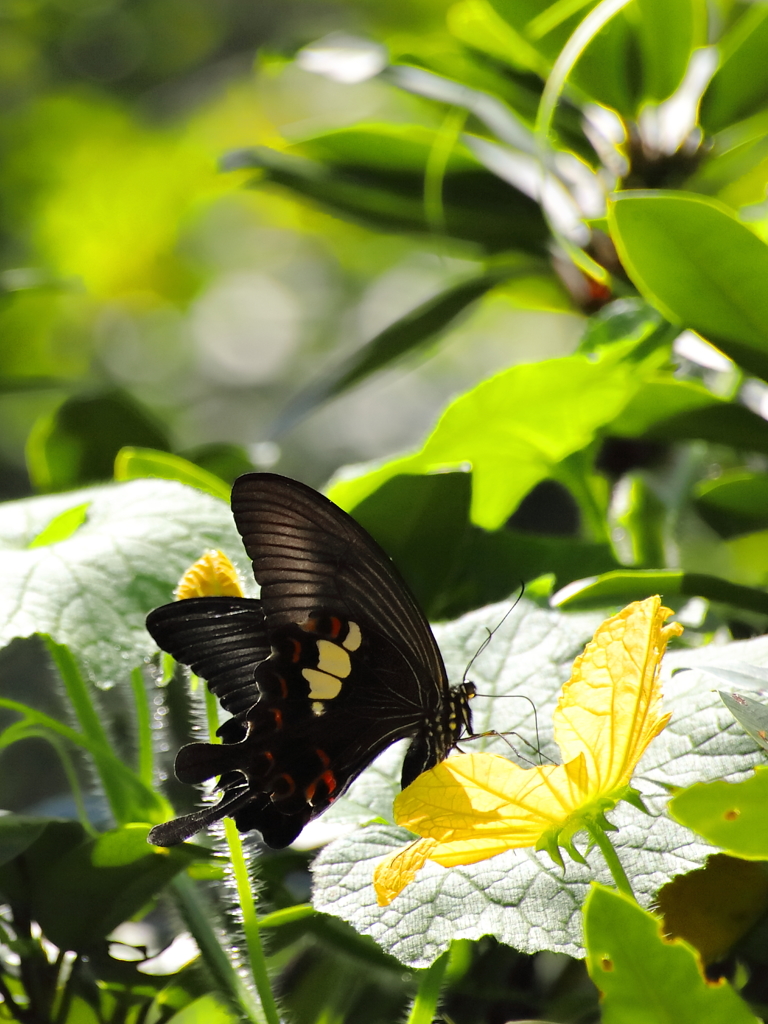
point(197, 918)
point(78, 692)
point(143, 727)
point(430, 981)
point(437, 161)
point(611, 859)
point(256, 956)
point(250, 922)
point(567, 59)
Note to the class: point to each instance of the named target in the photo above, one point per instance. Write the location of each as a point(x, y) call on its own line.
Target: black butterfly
point(330, 666)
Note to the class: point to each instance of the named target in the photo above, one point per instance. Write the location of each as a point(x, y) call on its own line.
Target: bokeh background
point(150, 297)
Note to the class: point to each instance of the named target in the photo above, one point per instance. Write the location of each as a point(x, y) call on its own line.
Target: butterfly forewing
point(308, 554)
point(222, 639)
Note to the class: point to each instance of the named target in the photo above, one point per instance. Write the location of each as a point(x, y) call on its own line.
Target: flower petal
point(610, 709)
point(213, 575)
point(399, 869)
point(489, 800)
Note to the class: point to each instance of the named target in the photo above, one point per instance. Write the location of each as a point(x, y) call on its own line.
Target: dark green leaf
point(34, 844)
point(739, 87)
point(378, 177)
point(734, 503)
point(422, 522)
point(669, 31)
point(77, 444)
point(667, 409)
point(226, 461)
point(96, 885)
point(17, 832)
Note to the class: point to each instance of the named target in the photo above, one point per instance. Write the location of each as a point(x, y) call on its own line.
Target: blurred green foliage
point(532, 260)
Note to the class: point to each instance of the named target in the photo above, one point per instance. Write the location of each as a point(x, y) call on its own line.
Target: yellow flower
point(473, 806)
point(213, 575)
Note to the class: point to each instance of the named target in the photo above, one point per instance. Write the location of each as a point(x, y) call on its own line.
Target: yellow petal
point(399, 869)
point(213, 575)
point(610, 709)
point(489, 803)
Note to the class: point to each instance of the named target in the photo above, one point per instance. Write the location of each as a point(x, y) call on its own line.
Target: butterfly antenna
point(491, 633)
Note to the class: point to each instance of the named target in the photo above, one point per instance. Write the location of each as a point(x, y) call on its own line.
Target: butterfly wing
point(222, 639)
point(353, 666)
point(308, 554)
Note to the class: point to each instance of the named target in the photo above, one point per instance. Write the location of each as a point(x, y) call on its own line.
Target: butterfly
point(333, 663)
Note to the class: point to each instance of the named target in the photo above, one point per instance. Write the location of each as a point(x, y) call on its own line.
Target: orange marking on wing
point(335, 626)
point(283, 686)
point(309, 625)
point(330, 781)
point(309, 792)
point(296, 656)
point(278, 717)
point(324, 759)
point(291, 784)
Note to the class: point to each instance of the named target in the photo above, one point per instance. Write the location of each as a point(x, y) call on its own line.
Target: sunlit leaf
point(633, 584)
point(61, 527)
point(700, 265)
point(730, 815)
point(93, 590)
point(513, 430)
point(638, 970)
point(148, 463)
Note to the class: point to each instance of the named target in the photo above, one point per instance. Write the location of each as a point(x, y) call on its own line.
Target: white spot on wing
point(354, 636)
point(321, 685)
point(333, 659)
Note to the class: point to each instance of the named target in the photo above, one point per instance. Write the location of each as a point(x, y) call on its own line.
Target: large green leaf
point(739, 87)
point(734, 503)
point(702, 267)
point(422, 522)
point(624, 585)
point(514, 430)
point(640, 55)
point(669, 31)
point(84, 894)
point(729, 816)
point(643, 977)
point(92, 590)
point(521, 897)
